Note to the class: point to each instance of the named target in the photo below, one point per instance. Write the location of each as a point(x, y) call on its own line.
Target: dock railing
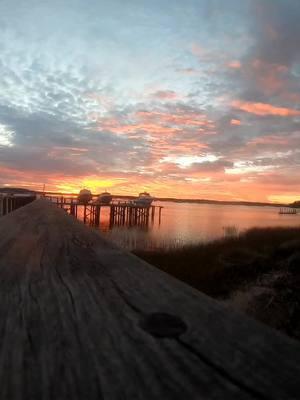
point(11, 202)
point(83, 319)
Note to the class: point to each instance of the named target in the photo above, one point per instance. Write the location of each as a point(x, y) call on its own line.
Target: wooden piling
point(152, 213)
point(97, 215)
point(84, 214)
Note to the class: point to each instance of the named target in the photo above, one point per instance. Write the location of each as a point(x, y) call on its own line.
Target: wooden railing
point(82, 319)
point(10, 202)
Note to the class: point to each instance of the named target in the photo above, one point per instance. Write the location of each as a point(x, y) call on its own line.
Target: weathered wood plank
point(73, 314)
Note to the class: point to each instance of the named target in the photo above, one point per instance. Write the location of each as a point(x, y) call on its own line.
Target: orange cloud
point(269, 139)
point(191, 119)
point(156, 123)
point(264, 109)
point(132, 128)
point(169, 182)
point(235, 122)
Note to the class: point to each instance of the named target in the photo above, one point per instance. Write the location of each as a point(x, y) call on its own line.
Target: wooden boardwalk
point(81, 319)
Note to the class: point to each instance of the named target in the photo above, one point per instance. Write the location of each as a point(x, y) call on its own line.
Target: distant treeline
point(222, 202)
point(295, 204)
point(16, 190)
point(169, 199)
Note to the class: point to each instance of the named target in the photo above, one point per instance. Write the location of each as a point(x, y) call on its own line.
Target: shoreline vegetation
point(257, 273)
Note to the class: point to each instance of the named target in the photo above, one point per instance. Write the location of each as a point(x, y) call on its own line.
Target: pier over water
point(120, 212)
point(82, 319)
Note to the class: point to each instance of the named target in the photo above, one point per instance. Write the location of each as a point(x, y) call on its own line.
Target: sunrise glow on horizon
point(187, 99)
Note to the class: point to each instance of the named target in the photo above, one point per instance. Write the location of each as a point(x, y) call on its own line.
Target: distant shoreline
point(163, 199)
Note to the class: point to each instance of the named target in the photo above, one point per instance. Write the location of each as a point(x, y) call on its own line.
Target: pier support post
point(152, 213)
point(97, 214)
point(159, 216)
point(84, 213)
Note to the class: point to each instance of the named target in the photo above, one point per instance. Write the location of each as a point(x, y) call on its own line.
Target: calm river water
point(184, 223)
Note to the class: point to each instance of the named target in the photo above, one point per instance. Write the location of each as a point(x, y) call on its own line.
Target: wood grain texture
point(72, 312)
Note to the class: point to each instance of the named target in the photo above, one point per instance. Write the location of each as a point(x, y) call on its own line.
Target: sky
point(187, 99)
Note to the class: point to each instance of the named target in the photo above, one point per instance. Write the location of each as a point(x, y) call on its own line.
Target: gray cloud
point(277, 31)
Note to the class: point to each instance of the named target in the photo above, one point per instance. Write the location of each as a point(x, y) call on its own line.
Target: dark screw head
point(163, 325)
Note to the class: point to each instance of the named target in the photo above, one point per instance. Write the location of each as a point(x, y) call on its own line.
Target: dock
point(288, 210)
point(83, 319)
point(120, 212)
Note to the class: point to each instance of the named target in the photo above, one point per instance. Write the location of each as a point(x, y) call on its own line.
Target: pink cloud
point(165, 95)
point(270, 78)
point(178, 117)
point(197, 50)
point(293, 97)
point(269, 140)
point(235, 64)
point(189, 71)
point(264, 109)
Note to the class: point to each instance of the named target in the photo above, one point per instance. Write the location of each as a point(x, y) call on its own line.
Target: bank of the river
point(257, 272)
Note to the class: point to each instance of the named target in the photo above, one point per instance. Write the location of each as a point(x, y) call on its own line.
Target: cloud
point(165, 95)
point(235, 64)
point(262, 109)
point(235, 122)
point(277, 30)
point(6, 136)
point(270, 140)
point(209, 167)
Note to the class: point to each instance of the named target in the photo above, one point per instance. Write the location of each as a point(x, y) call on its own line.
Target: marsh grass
point(222, 266)
point(257, 273)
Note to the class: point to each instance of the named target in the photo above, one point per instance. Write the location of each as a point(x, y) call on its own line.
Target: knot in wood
point(163, 325)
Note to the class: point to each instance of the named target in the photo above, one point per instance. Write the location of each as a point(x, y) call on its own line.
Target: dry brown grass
point(219, 267)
